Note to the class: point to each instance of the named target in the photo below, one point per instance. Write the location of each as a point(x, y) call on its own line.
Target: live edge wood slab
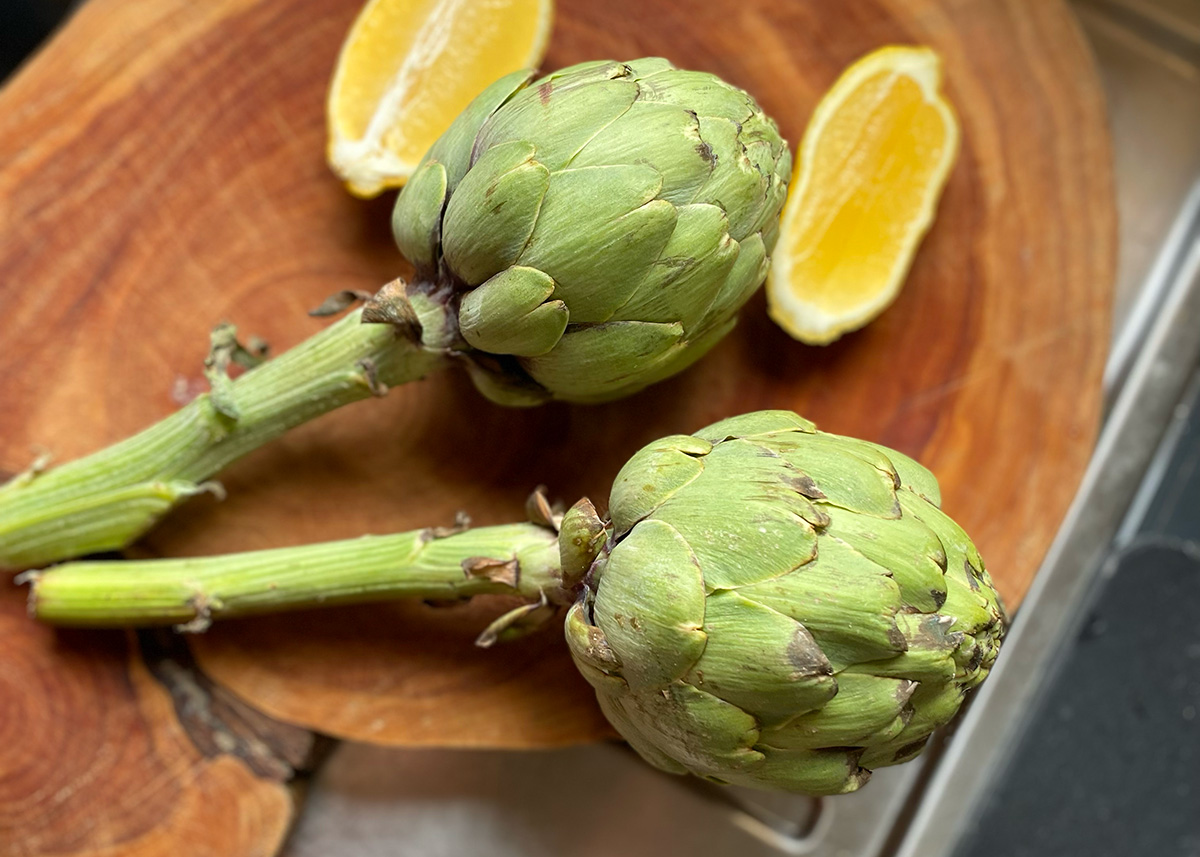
point(161, 169)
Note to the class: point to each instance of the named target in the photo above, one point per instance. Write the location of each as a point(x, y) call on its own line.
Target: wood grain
point(94, 759)
point(410, 669)
point(161, 168)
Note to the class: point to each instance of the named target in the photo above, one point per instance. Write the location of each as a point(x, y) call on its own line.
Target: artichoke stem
point(516, 559)
point(105, 500)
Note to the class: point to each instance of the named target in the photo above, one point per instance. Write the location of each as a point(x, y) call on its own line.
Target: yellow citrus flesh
point(408, 67)
point(868, 175)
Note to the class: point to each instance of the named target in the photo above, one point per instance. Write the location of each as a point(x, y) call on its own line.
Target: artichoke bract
point(766, 605)
point(598, 228)
point(782, 608)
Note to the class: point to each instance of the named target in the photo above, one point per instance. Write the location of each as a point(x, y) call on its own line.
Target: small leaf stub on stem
point(390, 305)
point(222, 346)
point(517, 623)
point(506, 572)
point(224, 350)
point(581, 536)
point(38, 466)
point(370, 376)
point(339, 301)
point(540, 511)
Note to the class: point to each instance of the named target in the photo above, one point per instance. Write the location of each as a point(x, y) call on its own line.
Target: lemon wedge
point(408, 67)
point(868, 175)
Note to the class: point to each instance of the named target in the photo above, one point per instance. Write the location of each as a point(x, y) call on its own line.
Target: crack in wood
point(218, 722)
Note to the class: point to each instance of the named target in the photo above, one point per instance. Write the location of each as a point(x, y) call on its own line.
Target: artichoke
point(781, 608)
point(599, 228)
point(574, 238)
point(767, 605)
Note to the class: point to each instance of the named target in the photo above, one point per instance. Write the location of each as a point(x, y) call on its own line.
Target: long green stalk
point(109, 498)
point(519, 559)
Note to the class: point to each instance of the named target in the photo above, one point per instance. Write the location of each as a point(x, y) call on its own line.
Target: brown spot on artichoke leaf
point(707, 154)
point(600, 652)
point(910, 751)
point(973, 575)
point(545, 90)
point(805, 654)
point(904, 692)
point(804, 485)
point(977, 657)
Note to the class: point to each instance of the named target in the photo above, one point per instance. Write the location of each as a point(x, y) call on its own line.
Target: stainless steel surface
point(602, 800)
point(584, 801)
point(1148, 52)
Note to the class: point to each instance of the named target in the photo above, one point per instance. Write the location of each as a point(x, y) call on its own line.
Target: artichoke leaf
point(867, 708)
point(667, 138)
point(581, 534)
point(705, 94)
point(686, 278)
point(599, 264)
point(754, 424)
point(508, 314)
point(738, 187)
point(562, 114)
point(595, 361)
point(417, 217)
point(933, 705)
point(652, 476)
point(593, 657)
point(760, 660)
point(742, 531)
point(914, 476)
point(493, 211)
point(848, 603)
point(841, 477)
point(641, 736)
point(906, 548)
point(809, 772)
point(742, 281)
point(650, 606)
point(709, 736)
point(929, 654)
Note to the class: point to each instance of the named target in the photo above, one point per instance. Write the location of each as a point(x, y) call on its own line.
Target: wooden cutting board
point(161, 169)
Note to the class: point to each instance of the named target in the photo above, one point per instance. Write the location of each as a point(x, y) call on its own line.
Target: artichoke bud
point(642, 195)
point(781, 608)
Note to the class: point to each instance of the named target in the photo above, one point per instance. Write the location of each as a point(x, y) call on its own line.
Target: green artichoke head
point(781, 608)
point(598, 229)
